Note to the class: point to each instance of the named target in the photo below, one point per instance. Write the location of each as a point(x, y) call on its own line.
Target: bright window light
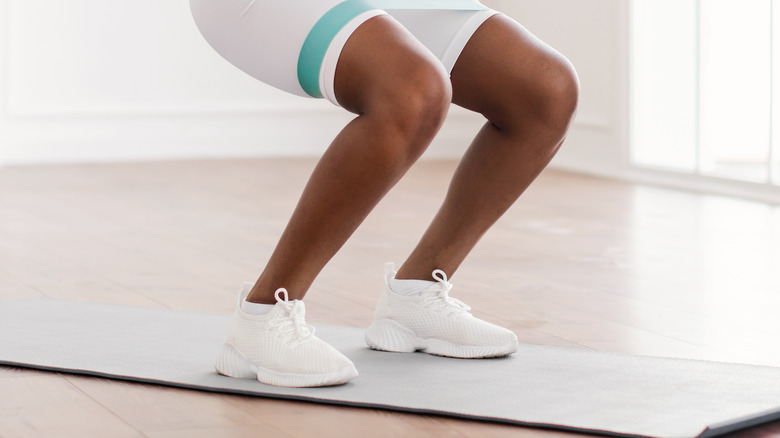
point(664, 84)
point(705, 96)
point(775, 152)
point(735, 77)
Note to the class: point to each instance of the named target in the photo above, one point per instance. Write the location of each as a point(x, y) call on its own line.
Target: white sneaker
point(434, 323)
point(280, 349)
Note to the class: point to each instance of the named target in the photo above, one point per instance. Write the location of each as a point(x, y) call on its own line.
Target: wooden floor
point(578, 262)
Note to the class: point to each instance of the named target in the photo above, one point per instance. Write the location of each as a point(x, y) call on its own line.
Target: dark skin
point(400, 93)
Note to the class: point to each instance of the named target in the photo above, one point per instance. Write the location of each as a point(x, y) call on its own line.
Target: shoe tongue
point(294, 308)
point(296, 311)
point(433, 289)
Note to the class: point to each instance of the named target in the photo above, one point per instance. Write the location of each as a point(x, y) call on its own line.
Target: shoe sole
point(232, 363)
point(388, 335)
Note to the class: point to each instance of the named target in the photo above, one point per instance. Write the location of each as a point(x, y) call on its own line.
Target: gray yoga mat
point(585, 391)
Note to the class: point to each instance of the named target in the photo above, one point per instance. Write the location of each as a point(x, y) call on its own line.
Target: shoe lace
point(442, 299)
point(294, 326)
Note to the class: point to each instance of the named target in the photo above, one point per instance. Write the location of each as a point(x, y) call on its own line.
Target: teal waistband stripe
point(323, 32)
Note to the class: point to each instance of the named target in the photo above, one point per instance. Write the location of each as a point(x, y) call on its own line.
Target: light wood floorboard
point(48, 405)
point(578, 262)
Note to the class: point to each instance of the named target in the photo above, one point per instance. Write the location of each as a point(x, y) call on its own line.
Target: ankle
point(416, 272)
point(259, 296)
point(260, 300)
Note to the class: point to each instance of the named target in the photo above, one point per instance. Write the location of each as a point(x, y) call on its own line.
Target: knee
point(413, 106)
point(549, 100)
point(560, 91)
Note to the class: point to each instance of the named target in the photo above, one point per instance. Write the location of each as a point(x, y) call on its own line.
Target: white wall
point(92, 80)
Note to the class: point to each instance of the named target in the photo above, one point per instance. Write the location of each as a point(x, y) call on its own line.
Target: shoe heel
point(388, 335)
point(231, 363)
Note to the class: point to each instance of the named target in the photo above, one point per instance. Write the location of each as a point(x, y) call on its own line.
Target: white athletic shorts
point(294, 45)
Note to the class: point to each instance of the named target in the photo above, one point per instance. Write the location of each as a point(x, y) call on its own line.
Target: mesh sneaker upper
point(281, 340)
point(434, 314)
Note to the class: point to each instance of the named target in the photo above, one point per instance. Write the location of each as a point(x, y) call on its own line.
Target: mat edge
point(740, 423)
point(310, 399)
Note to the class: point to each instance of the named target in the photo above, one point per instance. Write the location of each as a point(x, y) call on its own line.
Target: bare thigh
point(380, 61)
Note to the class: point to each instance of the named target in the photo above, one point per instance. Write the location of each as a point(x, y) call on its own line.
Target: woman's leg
point(528, 93)
point(401, 95)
